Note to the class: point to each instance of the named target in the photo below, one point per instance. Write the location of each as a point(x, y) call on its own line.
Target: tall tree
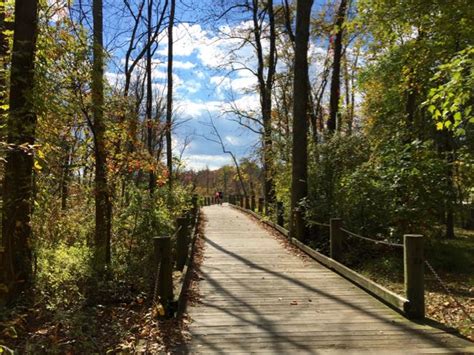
point(169, 98)
point(299, 182)
point(265, 85)
point(21, 126)
point(3, 61)
point(102, 201)
point(149, 95)
point(336, 68)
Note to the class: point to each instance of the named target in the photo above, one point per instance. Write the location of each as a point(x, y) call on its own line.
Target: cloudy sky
point(206, 84)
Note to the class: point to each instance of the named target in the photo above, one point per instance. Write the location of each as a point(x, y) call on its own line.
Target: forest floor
point(451, 301)
point(126, 325)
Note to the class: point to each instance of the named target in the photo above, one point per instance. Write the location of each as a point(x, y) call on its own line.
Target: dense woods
point(363, 110)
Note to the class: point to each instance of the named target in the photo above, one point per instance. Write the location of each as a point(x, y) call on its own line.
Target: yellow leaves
point(6, 350)
point(37, 166)
point(158, 310)
point(40, 154)
point(439, 126)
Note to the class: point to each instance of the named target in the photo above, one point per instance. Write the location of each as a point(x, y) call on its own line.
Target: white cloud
point(158, 74)
point(201, 161)
point(158, 87)
point(196, 108)
point(233, 140)
point(114, 79)
point(191, 86)
point(245, 103)
point(187, 38)
point(213, 50)
point(183, 65)
point(242, 82)
point(177, 64)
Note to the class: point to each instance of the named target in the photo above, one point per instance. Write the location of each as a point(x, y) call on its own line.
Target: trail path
point(260, 298)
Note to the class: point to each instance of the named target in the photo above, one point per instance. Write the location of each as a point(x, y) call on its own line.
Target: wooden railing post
point(195, 203)
point(162, 253)
point(335, 238)
point(182, 242)
point(267, 208)
point(414, 275)
point(188, 214)
point(247, 203)
point(260, 205)
point(252, 203)
point(280, 213)
point(241, 201)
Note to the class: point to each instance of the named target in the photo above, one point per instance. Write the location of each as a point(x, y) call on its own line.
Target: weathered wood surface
point(257, 297)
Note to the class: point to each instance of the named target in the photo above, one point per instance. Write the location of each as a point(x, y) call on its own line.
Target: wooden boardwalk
point(260, 298)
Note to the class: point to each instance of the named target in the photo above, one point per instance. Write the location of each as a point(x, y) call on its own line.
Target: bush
point(392, 189)
point(63, 272)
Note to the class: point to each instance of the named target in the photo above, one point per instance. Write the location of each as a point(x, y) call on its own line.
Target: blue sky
point(202, 88)
point(206, 85)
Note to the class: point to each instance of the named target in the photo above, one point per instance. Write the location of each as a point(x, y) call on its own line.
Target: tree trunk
point(65, 176)
point(102, 201)
point(265, 90)
point(352, 93)
point(347, 95)
point(169, 98)
point(299, 182)
point(21, 125)
point(336, 69)
point(149, 97)
point(450, 158)
point(3, 63)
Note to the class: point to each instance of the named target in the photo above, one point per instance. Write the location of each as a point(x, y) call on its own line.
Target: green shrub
point(62, 274)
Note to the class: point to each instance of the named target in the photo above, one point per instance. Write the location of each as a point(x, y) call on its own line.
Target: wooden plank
point(255, 299)
point(388, 296)
point(180, 300)
point(393, 299)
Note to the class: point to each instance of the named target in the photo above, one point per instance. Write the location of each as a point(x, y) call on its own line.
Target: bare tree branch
point(218, 140)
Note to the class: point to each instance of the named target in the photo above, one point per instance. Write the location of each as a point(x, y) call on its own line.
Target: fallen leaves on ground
point(128, 324)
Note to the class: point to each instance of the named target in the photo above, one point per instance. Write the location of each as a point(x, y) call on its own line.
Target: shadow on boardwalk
point(259, 298)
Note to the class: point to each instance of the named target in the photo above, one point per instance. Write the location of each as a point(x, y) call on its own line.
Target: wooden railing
point(168, 294)
point(413, 305)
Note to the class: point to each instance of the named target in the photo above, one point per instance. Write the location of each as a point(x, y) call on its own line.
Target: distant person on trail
point(221, 197)
point(218, 197)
